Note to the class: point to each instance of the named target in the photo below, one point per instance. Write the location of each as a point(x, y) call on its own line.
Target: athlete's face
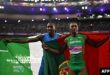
point(50, 28)
point(73, 27)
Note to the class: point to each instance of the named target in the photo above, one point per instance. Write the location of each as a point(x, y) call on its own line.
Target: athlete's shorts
point(75, 66)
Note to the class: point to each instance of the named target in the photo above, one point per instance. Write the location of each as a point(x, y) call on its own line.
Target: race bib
point(75, 48)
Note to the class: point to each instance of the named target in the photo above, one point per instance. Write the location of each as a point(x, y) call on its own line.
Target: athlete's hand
point(44, 46)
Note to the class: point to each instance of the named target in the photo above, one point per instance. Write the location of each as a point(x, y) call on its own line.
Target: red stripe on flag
point(61, 42)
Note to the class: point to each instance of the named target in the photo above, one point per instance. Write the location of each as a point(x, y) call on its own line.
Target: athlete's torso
point(76, 43)
point(47, 38)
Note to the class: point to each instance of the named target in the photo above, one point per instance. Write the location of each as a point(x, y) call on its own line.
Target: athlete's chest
point(47, 38)
point(75, 40)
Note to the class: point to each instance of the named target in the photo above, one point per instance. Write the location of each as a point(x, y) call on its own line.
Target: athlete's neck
point(74, 34)
point(51, 34)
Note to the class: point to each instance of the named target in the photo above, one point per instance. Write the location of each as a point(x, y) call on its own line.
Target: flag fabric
point(97, 57)
point(53, 60)
point(20, 59)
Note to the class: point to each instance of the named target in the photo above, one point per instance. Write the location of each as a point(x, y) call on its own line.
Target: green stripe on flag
point(15, 60)
point(52, 60)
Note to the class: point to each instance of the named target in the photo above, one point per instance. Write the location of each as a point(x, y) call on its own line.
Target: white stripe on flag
point(3, 50)
point(36, 53)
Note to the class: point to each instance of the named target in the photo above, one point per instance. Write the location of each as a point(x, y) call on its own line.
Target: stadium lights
point(43, 19)
point(67, 17)
point(56, 18)
point(55, 9)
point(84, 17)
point(19, 21)
point(59, 19)
point(91, 24)
point(108, 15)
point(66, 9)
point(1, 7)
point(5, 21)
point(84, 7)
point(32, 20)
point(101, 9)
point(41, 9)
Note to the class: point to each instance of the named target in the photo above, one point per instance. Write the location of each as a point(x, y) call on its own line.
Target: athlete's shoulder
point(58, 33)
point(45, 34)
point(40, 36)
point(68, 36)
point(82, 35)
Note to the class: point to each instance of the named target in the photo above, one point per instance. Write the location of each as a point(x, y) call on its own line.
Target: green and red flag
point(20, 59)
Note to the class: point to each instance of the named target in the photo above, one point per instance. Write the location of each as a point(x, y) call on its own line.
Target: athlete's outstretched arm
point(90, 42)
point(102, 42)
point(25, 40)
point(95, 44)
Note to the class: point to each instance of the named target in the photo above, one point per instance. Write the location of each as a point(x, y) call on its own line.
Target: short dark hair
point(51, 24)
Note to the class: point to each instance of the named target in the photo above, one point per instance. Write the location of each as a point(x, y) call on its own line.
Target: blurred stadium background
point(29, 17)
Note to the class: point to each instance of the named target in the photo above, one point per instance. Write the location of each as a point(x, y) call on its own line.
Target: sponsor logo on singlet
point(72, 42)
point(75, 49)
